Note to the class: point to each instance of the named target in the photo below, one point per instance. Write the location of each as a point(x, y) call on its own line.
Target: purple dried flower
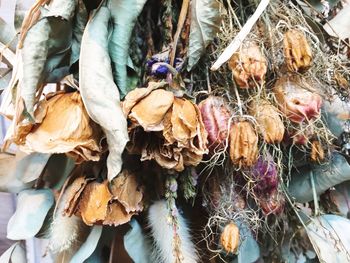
point(265, 174)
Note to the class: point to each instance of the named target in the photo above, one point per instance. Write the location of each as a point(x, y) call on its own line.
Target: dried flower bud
point(243, 144)
point(296, 50)
point(296, 102)
point(317, 152)
point(265, 175)
point(269, 120)
point(272, 203)
point(216, 115)
point(229, 238)
point(248, 65)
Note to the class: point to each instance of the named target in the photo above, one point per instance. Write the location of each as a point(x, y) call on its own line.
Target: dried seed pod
point(317, 152)
point(265, 175)
point(229, 238)
point(243, 144)
point(296, 50)
point(272, 203)
point(269, 120)
point(249, 65)
point(296, 99)
point(216, 115)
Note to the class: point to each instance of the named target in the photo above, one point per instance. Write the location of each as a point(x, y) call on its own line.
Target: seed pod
point(216, 115)
point(248, 65)
point(270, 122)
point(272, 203)
point(243, 144)
point(317, 152)
point(229, 238)
point(297, 50)
point(295, 101)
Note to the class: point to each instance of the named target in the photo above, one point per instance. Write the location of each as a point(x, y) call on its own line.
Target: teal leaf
point(32, 208)
point(7, 35)
point(136, 245)
point(124, 15)
point(22, 7)
point(340, 196)
point(205, 23)
point(330, 237)
point(89, 246)
point(14, 254)
point(98, 90)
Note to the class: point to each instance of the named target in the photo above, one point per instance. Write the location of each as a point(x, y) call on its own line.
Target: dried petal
point(229, 238)
point(73, 194)
point(117, 215)
point(272, 203)
point(317, 152)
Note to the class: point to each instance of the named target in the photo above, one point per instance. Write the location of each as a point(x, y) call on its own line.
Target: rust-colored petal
point(116, 215)
point(73, 194)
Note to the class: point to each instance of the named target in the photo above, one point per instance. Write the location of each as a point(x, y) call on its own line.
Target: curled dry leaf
point(93, 205)
point(73, 194)
point(249, 65)
point(243, 144)
point(317, 152)
point(126, 190)
point(65, 128)
point(296, 99)
point(216, 115)
point(269, 120)
point(297, 51)
point(171, 129)
point(229, 238)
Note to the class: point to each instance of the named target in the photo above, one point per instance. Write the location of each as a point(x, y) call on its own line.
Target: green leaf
point(89, 246)
point(136, 245)
point(98, 90)
point(14, 254)
point(32, 208)
point(124, 15)
point(330, 237)
point(205, 23)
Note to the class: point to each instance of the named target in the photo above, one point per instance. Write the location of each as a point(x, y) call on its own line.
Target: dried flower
point(216, 115)
point(272, 203)
point(265, 175)
point(317, 152)
point(296, 50)
point(249, 65)
point(269, 120)
point(243, 144)
point(295, 101)
point(229, 238)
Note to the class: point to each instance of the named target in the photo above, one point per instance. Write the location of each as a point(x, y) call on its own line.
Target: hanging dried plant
point(270, 123)
point(243, 144)
point(249, 65)
point(65, 127)
point(229, 238)
point(317, 152)
point(297, 50)
point(216, 115)
point(296, 99)
point(272, 203)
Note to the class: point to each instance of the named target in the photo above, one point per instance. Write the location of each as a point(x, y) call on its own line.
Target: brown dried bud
point(248, 65)
point(297, 100)
point(296, 50)
point(243, 144)
point(317, 152)
point(269, 120)
point(216, 115)
point(229, 238)
point(272, 203)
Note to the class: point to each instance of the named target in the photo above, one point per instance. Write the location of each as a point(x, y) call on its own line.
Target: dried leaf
point(71, 131)
point(117, 215)
point(32, 208)
point(150, 111)
point(124, 14)
point(99, 93)
point(205, 23)
point(338, 26)
point(14, 254)
point(73, 194)
point(94, 202)
point(125, 189)
point(79, 23)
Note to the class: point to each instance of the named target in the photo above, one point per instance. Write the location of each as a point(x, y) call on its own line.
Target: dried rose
point(249, 65)
point(229, 238)
point(272, 203)
point(269, 120)
point(216, 115)
point(296, 50)
point(65, 128)
point(296, 102)
point(243, 144)
point(317, 152)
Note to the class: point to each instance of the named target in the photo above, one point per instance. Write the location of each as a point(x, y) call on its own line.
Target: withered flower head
point(317, 152)
point(297, 50)
point(243, 144)
point(229, 238)
point(296, 99)
point(65, 128)
point(248, 65)
point(270, 122)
